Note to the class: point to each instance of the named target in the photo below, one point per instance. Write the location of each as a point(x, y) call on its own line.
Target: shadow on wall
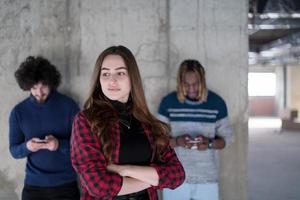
point(7, 187)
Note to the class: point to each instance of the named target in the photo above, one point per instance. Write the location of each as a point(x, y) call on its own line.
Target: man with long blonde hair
point(199, 127)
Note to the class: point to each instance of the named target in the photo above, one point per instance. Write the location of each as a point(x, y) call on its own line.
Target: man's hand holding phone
point(51, 142)
point(195, 142)
point(183, 141)
point(203, 145)
point(37, 140)
point(36, 144)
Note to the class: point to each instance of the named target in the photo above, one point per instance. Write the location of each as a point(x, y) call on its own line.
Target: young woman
point(118, 148)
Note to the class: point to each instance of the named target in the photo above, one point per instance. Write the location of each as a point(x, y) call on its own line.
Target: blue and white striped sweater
point(209, 118)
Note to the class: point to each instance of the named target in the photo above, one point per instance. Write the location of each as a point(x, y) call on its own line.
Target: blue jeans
point(208, 191)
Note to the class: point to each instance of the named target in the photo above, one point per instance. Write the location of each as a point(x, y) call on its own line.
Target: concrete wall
point(160, 34)
point(280, 98)
point(280, 88)
point(214, 33)
point(26, 27)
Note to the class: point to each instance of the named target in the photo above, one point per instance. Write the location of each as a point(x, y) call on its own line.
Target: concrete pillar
point(280, 88)
point(215, 33)
point(293, 91)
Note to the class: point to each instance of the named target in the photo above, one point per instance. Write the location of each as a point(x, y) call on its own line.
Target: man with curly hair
point(40, 128)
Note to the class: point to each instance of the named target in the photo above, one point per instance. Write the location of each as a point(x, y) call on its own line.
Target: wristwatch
point(210, 143)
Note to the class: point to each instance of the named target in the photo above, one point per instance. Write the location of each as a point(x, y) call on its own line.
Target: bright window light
point(261, 84)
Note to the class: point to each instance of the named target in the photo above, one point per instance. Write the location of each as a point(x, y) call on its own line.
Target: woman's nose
point(112, 78)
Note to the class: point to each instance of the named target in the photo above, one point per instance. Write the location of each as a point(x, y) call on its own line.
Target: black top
point(134, 146)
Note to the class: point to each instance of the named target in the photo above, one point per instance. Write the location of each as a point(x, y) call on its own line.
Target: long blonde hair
point(101, 114)
point(195, 67)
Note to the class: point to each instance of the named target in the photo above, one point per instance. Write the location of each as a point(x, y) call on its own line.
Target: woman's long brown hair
point(102, 115)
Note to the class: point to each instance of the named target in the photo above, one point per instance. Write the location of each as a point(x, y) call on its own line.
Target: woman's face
point(114, 78)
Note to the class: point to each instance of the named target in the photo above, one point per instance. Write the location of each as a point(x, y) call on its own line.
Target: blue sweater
point(212, 110)
point(30, 119)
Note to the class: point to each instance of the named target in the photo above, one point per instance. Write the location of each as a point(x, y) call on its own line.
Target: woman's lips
point(113, 89)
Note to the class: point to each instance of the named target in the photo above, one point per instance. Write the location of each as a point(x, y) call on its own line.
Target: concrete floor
point(274, 162)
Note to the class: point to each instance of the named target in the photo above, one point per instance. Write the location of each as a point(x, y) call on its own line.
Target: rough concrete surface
point(160, 34)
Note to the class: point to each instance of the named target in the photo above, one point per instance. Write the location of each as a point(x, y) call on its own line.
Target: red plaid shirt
point(90, 164)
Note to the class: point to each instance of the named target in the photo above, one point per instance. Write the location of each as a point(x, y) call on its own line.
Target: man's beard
point(40, 99)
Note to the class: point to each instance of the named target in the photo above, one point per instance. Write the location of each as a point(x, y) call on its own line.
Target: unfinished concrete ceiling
point(274, 31)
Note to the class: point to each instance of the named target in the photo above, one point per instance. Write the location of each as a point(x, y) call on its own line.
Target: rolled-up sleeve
point(89, 162)
point(171, 173)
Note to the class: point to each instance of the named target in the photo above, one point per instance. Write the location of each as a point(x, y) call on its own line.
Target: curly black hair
point(37, 69)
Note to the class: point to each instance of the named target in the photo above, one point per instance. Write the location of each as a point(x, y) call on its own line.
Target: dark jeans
point(142, 195)
point(67, 191)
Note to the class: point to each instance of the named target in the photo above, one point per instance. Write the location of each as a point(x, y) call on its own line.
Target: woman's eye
point(121, 73)
point(105, 74)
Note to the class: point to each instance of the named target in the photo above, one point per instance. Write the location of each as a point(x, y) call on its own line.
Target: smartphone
point(40, 141)
point(194, 141)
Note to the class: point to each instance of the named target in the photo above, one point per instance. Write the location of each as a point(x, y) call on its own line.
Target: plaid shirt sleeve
point(89, 162)
point(171, 173)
